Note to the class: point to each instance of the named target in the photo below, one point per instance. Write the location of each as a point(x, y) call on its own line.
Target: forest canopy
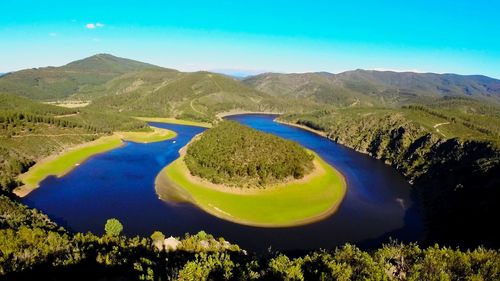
point(236, 155)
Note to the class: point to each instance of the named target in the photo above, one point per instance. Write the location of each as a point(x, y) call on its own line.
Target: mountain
point(379, 88)
point(82, 79)
point(124, 86)
point(134, 88)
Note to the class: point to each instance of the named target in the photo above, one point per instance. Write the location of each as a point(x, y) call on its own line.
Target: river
point(120, 184)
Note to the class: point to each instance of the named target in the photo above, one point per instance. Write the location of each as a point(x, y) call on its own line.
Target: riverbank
point(175, 121)
point(219, 116)
point(158, 134)
point(288, 204)
point(62, 163)
point(317, 132)
point(242, 112)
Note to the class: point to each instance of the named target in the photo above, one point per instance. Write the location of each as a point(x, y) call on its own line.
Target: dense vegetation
point(32, 246)
point(236, 155)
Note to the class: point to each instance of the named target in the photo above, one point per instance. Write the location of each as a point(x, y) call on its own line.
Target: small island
point(235, 155)
point(249, 177)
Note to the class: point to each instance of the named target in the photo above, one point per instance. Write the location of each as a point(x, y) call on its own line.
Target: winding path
point(440, 124)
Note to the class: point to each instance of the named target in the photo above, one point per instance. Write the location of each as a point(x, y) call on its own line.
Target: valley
point(394, 154)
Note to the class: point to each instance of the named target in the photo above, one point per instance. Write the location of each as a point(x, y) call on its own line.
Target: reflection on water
point(120, 184)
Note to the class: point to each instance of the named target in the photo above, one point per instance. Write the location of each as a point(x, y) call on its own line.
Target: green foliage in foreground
point(33, 247)
point(237, 155)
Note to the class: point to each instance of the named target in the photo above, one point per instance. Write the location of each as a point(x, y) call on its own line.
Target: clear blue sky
point(285, 36)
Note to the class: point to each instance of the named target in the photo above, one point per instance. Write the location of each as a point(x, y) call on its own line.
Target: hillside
point(82, 79)
point(448, 150)
point(138, 89)
point(376, 88)
point(197, 95)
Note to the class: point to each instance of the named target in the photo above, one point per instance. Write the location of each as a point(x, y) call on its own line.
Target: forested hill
point(235, 155)
point(196, 95)
point(83, 78)
point(376, 88)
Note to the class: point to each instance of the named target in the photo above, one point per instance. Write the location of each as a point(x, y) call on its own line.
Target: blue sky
point(255, 36)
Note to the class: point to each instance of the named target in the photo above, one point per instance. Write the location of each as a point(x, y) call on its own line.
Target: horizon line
point(254, 72)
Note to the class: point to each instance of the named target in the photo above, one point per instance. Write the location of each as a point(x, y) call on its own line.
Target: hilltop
point(82, 79)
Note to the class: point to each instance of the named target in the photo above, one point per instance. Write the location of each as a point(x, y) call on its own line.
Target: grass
point(175, 121)
point(158, 134)
point(61, 164)
point(284, 205)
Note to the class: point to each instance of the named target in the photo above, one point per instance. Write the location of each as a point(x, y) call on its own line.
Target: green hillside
point(21, 104)
point(197, 95)
point(82, 79)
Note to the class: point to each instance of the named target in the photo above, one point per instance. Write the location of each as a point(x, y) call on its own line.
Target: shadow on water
point(120, 184)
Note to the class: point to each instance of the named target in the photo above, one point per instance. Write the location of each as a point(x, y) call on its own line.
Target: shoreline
point(252, 190)
point(170, 190)
point(303, 127)
point(170, 120)
point(27, 188)
point(243, 112)
point(68, 159)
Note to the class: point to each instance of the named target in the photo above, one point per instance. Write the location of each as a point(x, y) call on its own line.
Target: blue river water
point(120, 184)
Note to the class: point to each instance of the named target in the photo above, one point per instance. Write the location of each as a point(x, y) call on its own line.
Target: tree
point(113, 227)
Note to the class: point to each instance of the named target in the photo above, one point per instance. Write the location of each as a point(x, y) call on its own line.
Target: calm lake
point(120, 184)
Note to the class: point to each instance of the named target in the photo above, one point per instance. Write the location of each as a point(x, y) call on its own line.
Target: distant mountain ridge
point(370, 87)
